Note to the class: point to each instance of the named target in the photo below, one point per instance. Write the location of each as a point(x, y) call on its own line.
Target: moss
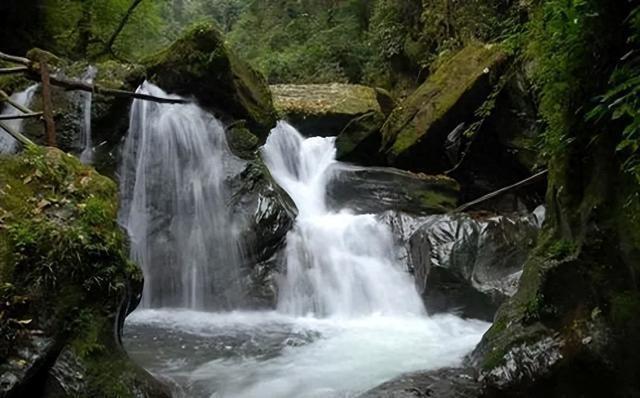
point(625, 307)
point(243, 143)
point(417, 128)
point(201, 64)
point(64, 267)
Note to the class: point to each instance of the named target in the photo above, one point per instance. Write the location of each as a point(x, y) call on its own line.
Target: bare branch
point(526, 181)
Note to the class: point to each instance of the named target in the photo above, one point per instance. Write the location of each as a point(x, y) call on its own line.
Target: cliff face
point(66, 282)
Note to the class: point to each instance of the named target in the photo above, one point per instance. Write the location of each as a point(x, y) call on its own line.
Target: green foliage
point(81, 28)
point(621, 103)
point(304, 42)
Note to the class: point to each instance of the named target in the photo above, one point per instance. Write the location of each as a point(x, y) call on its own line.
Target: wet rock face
point(379, 189)
point(67, 283)
point(470, 265)
point(441, 383)
point(266, 213)
point(201, 65)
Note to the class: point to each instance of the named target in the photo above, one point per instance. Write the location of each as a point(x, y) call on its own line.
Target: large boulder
point(200, 64)
point(352, 112)
point(415, 134)
point(379, 189)
point(471, 264)
point(66, 283)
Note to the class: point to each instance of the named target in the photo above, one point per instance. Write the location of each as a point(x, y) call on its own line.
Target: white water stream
point(86, 156)
point(348, 315)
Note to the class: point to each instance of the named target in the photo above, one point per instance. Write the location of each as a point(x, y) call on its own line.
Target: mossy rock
point(66, 283)
point(360, 140)
point(201, 64)
point(242, 142)
point(414, 134)
point(326, 109)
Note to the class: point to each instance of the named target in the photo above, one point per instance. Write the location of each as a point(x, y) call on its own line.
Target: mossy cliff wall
point(66, 283)
point(572, 329)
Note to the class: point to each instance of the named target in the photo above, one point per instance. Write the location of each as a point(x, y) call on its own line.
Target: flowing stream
point(8, 144)
point(86, 156)
point(348, 316)
point(175, 208)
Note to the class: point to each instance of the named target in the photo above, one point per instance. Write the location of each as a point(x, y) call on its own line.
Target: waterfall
point(338, 264)
point(8, 143)
point(86, 156)
point(174, 205)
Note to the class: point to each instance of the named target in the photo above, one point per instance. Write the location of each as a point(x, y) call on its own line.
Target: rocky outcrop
point(471, 264)
point(66, 283)
point(415, 134)
point(378, 189)
point(200, 64)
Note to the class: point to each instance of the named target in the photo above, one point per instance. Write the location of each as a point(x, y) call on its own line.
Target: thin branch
point(11, 71)
point(21, 116)
point(123, 22)
point(492, 195)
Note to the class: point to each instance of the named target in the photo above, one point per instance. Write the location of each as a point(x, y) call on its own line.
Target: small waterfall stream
point(174, 205)
point(338, 264)
point(8, 144)
point(86, 156)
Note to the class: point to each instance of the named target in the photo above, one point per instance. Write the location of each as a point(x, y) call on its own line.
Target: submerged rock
point(415, 133)
point(66, 283)
point(441, 383)
point(470, 265)
point(378, 189)
point(200, 64)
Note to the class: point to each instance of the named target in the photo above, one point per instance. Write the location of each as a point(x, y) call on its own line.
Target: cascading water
point(8, 144)
point(338, 264)
point(86, 156)
point(348, 315)
point(174, 205)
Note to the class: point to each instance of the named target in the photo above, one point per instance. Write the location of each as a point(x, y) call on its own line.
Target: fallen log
point(34, 72)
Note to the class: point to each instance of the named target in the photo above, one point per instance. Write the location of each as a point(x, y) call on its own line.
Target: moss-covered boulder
point(325, 109)
point(415, 133)
point(200, 64)
point(66, 283)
